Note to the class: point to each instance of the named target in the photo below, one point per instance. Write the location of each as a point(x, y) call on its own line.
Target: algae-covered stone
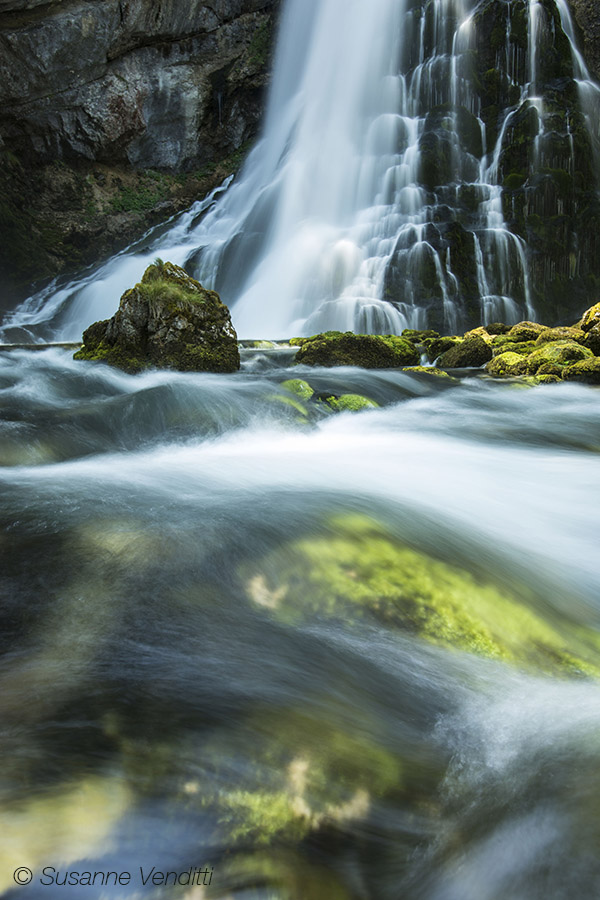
point(548, 379)
point(351, 403)
point(482, 332)
point(506, 365)
point(168, 320)
point(418, 337)
point(436, 346)
point(469, 353)
point(370, 351)
point(299, 387)
point(356, 571)
point(429, 370)
point(523, 348)
point(526, 331)
point(586, 370)
point(592, 340)
point(564, 333)
point(495, 328)
point(556, 353)
point(590, 318)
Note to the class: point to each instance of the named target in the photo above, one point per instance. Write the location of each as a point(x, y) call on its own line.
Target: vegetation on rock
point(336, 348)
point(168, 320)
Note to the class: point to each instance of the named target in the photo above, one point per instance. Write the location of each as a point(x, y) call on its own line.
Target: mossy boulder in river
point(370, 351)
point(472, 351)
point(168, 321)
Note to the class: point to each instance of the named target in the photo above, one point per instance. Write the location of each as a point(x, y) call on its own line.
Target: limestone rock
point(169, 321)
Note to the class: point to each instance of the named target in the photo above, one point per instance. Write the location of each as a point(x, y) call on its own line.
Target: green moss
point(428, 370)
point(299, 387)
point(470, 352)
point(523, 348)
point(506, 365)
point(351, 403)
point(557, 353)
point(586, 371)
point(334, 348)
point(356, 571)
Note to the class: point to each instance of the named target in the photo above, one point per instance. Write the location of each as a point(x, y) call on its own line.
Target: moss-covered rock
point(168, 320)
point(526, 331)
point(481, 332)
point(370, 351)
point(497, 328)
point(506, 345)
point(437, 346)
point(506, 365)
point(548, 379)
point(592, 340)
point(418, 337)
point(586, 370)
point(591, 317)
point(429, 370)
point(471, 352)
point(356, 571)
point(351, 403)
point(557, 353)
point(299, 387)
point(563, 333)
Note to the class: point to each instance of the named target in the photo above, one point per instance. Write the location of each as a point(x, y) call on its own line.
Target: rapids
point(151, 690)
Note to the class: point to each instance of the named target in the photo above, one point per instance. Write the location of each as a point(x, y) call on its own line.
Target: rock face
point(166, 85)
point(116, 114)
point(586, 14)
point(169, 321)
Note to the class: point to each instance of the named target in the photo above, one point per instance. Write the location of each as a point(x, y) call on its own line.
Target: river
point(205, 658)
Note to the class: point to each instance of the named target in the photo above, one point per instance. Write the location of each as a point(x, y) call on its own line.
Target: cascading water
point(410, 150)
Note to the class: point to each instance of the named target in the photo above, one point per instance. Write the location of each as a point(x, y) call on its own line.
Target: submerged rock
point(370, 351)
point(169, 321)
point(351, 403)
point(360, 572)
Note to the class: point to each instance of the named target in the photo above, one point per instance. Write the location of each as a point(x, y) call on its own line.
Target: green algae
point(355, 571)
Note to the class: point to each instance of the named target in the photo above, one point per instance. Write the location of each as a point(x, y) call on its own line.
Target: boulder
point(557, 353)
point(591, 317)
point(564, 333)
point(166, 321)
point(370, 351)
point(472, 352)
point(586, 370)
point(592, 340)
point(526, 331)
point(506, 365)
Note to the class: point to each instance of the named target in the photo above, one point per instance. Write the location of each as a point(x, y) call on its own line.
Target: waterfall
point(411, 155)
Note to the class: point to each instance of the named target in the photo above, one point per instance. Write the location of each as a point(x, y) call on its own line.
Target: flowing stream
point(205, 660)
point(317, 655)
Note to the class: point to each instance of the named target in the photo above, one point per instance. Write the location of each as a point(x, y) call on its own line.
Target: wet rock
point(351, 403)
point(526, 331)
point(299, 387)
point(586, 370)
point(590, 318)
point(564, 333)
point(556, 354)
point(506, 365)
point(471, 352)
point(168, 320)
point(369, 351)
point(592, 340)
point(428, 370)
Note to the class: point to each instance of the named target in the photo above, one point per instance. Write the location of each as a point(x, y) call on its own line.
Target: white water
point(332, 197)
